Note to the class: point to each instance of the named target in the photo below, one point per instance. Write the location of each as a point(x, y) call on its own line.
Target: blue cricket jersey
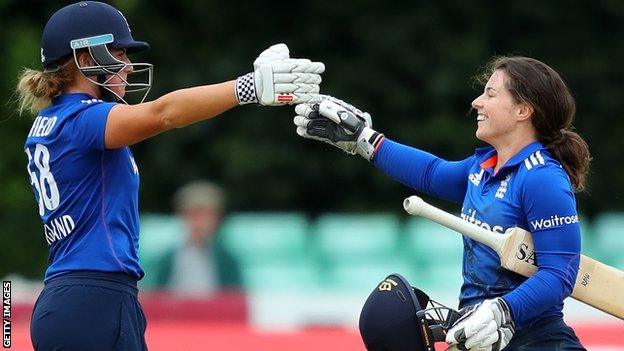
point(531, 191)
point(87, 194)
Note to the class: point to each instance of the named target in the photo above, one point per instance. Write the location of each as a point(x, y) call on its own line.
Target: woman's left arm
point(550, 207)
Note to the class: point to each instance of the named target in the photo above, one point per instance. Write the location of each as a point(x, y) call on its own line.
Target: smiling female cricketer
point(527, 175)
point(84, 177)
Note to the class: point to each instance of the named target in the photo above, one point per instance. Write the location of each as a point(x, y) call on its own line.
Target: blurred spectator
point(199, 266)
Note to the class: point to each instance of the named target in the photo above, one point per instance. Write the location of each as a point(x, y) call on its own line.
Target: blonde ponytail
point(35, 89)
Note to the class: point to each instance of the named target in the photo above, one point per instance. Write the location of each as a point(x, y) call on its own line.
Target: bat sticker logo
point(585, 280)
point(525, 255)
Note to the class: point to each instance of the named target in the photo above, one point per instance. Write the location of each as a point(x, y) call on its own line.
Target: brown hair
point(532, 81)
point(35, 89)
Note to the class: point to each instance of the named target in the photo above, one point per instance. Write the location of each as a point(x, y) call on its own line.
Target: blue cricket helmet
point(83, 20)
point(399, 317)
point(96, 27)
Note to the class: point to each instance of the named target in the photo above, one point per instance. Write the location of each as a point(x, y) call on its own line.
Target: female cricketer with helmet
point(527, 175)
point(85, 179)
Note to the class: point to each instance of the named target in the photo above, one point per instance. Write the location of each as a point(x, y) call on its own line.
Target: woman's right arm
point(276, 80)
point(129, 124)
point(348, 128)
point(423, 171)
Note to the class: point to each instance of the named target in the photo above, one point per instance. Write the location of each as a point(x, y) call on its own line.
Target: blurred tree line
point(410, 64)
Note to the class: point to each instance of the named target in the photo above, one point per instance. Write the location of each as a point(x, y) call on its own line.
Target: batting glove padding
point(484, 327)
point(277, 52)
point(279, 80)
point(339, 124)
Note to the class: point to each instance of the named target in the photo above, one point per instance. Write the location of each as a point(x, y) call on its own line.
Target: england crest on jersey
point(502, 189)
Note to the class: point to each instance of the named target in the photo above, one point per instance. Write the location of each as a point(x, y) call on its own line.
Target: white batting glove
point(277, 52)
point(339, 124)
point(484, 327)
point(278, 79)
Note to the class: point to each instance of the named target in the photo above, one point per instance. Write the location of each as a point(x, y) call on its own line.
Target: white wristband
point(368, 142)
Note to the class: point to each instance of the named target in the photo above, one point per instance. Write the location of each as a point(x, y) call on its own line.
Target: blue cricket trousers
point(88, 310)
point(548, 334)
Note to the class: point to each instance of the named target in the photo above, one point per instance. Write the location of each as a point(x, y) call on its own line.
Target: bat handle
point(414, 205)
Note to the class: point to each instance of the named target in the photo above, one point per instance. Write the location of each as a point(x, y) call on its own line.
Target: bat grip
point(416, 206)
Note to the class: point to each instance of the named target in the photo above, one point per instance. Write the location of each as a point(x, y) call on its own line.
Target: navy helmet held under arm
point(399, 317)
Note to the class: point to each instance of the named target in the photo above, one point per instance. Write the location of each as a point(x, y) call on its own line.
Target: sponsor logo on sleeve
point(553, 222)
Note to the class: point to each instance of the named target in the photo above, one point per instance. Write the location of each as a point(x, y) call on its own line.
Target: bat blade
point(600, 286)
point(597, 284)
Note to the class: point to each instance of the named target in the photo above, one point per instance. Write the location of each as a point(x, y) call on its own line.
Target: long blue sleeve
point(423, 171)
point(550, 209)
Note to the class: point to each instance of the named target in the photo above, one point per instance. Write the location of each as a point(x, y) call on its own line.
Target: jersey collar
point(487, 157)
point(71, 97)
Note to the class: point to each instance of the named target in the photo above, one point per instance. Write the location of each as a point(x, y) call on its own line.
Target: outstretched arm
point(276, 80)
point(129, 124)
point(340, 124)
point(423, 171)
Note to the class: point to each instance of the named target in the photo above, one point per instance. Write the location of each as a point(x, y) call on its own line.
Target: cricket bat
point(597, 284)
